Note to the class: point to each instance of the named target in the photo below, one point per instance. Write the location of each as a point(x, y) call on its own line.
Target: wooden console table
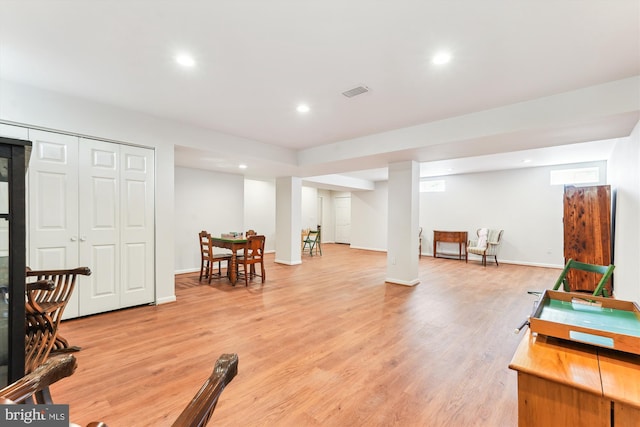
point(459, 237)
point(566, 383)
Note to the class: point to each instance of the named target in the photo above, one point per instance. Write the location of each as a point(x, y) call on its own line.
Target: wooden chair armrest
point(82, 271)
point(200, 409)
point(52, 370)
point(41, 285)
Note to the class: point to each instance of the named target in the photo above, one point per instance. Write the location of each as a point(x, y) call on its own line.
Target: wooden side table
point(459, 237)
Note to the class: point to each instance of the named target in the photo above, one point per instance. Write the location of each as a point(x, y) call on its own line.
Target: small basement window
point(432, 186)
point(575, 176)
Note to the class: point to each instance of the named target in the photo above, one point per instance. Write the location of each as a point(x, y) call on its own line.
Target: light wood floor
point(324, 343)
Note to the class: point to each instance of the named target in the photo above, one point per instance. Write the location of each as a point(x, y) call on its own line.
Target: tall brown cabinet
point(588, 232)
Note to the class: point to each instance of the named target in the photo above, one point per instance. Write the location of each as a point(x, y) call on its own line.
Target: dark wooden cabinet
point(587, 232)
point(13, 156)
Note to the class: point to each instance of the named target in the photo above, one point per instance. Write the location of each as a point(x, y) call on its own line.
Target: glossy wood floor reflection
point(325, 343)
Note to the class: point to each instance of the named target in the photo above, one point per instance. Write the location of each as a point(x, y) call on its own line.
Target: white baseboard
point(166, 300)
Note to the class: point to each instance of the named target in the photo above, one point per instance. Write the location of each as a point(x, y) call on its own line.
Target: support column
point(402, 228)
point(288, 220)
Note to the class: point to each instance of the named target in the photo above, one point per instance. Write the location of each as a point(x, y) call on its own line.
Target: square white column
point(288, 220)
point(402, 228)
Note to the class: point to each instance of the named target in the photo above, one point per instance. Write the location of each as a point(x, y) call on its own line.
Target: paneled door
point(99, 225)
point(137, 226)
point(92, 205)
point(53, 208)
point(116, 204)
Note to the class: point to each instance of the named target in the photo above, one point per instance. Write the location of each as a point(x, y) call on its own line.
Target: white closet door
point(137, 285)
point(99, 200)
point(53, 205)
point(91, 204)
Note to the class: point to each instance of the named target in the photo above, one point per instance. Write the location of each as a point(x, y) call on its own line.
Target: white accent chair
point(487, 244)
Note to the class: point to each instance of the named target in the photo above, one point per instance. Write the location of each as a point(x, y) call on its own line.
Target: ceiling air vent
point(356, 91)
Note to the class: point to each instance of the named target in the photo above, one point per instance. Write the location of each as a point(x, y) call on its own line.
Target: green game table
point(598, 321)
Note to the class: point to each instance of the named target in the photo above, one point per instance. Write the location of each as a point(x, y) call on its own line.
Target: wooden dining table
point(234, 245)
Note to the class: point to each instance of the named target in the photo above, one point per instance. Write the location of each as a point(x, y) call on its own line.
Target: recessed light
point(242, 166)
point(303, 108)
point(441, 58)
point(526, 161)
point(185, 60)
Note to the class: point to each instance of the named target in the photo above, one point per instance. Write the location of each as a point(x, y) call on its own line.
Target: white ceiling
point(256, 60)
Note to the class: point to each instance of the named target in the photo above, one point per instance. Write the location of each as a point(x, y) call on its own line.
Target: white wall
point(37, 108)
point(624, 177)
point(521, 202)
point(211, 201)
point(369, 211)
point(260, 210)
point(328, 217)
point(309, 216)
point(204, 200)
point(524, 229)
point(310, 209)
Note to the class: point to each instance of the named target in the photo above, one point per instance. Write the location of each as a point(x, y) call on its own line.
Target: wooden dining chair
point(253, 253)
point(249, 233)
point(208, 258)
